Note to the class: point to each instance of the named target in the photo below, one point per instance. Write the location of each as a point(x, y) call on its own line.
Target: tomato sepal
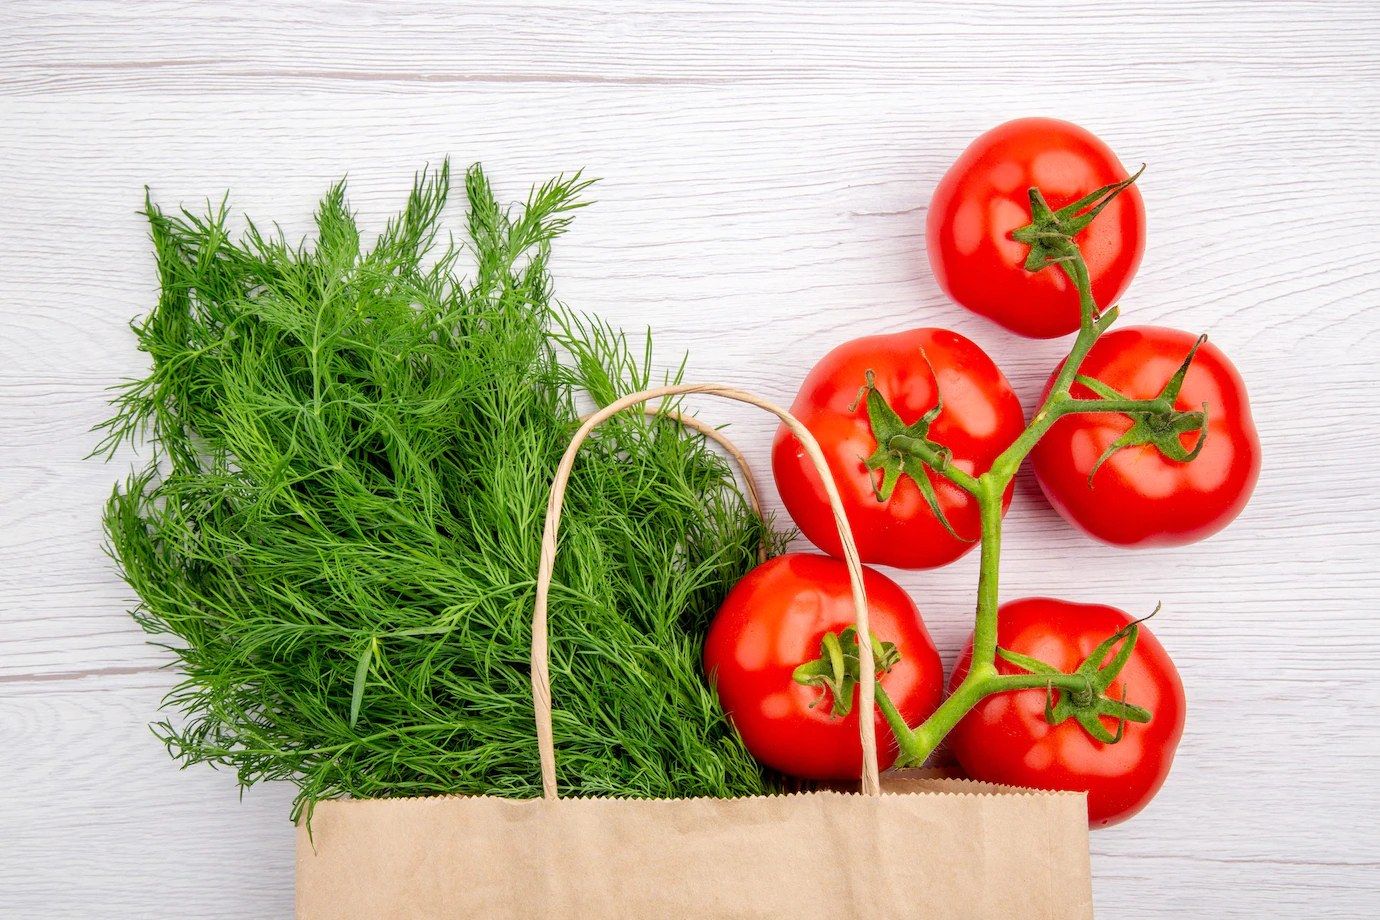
point(1050, 233)
point(1088, 704)
point(906, 449)
point(838, 668)
point(1160, 428)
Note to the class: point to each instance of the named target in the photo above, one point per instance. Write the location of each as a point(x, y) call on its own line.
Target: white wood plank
point(185, 49)
point(105, 824)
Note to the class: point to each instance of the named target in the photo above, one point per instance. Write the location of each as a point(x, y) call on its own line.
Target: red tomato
point(981, 417)
point(772, 622)
point(1139, 497)
point(1006, 738)
point(985, 195)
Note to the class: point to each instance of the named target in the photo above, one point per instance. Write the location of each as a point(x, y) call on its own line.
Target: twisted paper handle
point(541, 676)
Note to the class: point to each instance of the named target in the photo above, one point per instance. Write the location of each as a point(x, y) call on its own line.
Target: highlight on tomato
point(985, 196)
point(1138, 709)
point(1152, 481)
point(886, 409)
point(779, 653)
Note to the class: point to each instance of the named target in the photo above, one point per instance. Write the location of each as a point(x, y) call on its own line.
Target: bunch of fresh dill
point(339, 524)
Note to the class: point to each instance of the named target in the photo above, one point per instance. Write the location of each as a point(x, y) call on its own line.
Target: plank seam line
point(77, 675)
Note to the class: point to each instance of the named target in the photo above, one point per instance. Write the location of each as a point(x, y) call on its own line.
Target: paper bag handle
point(541, 676)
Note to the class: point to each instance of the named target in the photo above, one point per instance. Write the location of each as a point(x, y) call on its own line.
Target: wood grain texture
point(766, 169)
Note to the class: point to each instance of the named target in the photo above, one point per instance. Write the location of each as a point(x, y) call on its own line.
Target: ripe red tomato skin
point(985, 195)
point(1006, 738)
point(981, 417)
point(772, 622)
point(1140, 497)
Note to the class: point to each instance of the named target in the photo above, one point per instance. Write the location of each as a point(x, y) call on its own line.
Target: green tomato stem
point(1054, 406)
point(985, 629)
point(935, 462)
point(983, 679)
point(1074, 683)
point(1069, 406)
point(978, 684)
point(911, 752)
point(1059, 404)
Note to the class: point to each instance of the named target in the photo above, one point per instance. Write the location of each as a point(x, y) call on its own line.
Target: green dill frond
point(338, 531)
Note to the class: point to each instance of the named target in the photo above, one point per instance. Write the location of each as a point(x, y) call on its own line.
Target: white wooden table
point(766, 169)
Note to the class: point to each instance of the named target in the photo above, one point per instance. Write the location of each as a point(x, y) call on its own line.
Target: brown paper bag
point(907, 848)
point(946, 855)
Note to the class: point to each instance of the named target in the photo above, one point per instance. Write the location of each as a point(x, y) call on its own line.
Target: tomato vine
point(1050, 236)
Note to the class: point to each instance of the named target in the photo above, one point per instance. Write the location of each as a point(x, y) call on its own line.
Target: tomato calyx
point(837, 668)
point(1050, 233)
point(1090, 703)
point(905, 449)
point(1161, 426)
